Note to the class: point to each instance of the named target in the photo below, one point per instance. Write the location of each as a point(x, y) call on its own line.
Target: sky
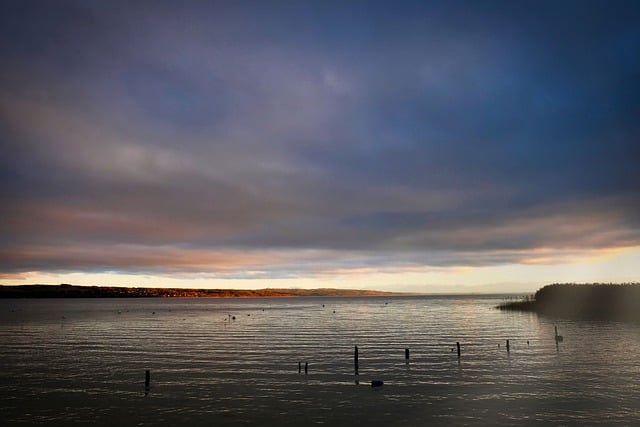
point(421, 146)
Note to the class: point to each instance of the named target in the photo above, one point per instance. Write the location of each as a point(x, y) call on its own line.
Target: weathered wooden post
point(559, 338)
point(147, 381)
point(406, 354)
point(299, 367)
point(355, 360)
point(507, 346)
point(458, 345)
point(306, 368)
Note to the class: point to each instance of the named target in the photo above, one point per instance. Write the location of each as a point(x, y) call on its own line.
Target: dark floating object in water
point(377, 383)
point(233, 317)
point(559, 338)
point(153, 312)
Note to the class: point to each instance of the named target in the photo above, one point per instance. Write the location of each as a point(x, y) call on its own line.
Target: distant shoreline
point(592, 301)
point(74, 291)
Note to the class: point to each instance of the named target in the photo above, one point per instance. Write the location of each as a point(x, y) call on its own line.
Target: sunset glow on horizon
point(423, 147)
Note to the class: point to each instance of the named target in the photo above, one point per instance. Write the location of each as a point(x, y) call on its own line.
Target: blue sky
point(422, 146)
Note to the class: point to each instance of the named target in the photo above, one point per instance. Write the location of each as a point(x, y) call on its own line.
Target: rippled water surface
point(66, 361)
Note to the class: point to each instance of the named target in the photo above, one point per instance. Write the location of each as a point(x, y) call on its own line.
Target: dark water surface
point(80, 361)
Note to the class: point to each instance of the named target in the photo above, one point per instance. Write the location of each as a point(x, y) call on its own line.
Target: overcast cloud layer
point(295, 138)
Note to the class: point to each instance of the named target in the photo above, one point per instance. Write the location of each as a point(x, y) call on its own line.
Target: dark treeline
point(596, 301)
point(71, 291)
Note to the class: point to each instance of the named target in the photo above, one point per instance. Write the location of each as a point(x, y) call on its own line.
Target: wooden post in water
point(559, 338)
point(355, 360)
point(299, 367)
point(306, 368)
point(458, 345)
point(406, 354)
point(507, 346)
point(147, 381)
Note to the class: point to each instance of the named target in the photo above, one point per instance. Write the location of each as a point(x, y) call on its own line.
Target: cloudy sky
point(410, 146)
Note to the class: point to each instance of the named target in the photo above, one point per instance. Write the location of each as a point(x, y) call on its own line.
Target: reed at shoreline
point(597, 301)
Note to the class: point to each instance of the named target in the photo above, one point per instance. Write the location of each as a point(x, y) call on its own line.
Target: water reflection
point(208, 369)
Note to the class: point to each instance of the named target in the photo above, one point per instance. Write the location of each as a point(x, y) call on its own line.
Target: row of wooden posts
point(374, 383)
point(558, 338)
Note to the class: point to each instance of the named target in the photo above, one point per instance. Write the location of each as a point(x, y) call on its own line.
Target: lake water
point(80, 361)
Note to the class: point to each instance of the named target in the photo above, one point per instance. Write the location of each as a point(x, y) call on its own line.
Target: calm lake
point(80, 361)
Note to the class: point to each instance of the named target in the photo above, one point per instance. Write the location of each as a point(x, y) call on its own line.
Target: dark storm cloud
point(465, 133)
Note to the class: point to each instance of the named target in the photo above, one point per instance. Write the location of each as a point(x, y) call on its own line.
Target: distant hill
point(596, 301)
point(71, 291)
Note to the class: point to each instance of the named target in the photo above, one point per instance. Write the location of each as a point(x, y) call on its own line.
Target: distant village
point(72, 291)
